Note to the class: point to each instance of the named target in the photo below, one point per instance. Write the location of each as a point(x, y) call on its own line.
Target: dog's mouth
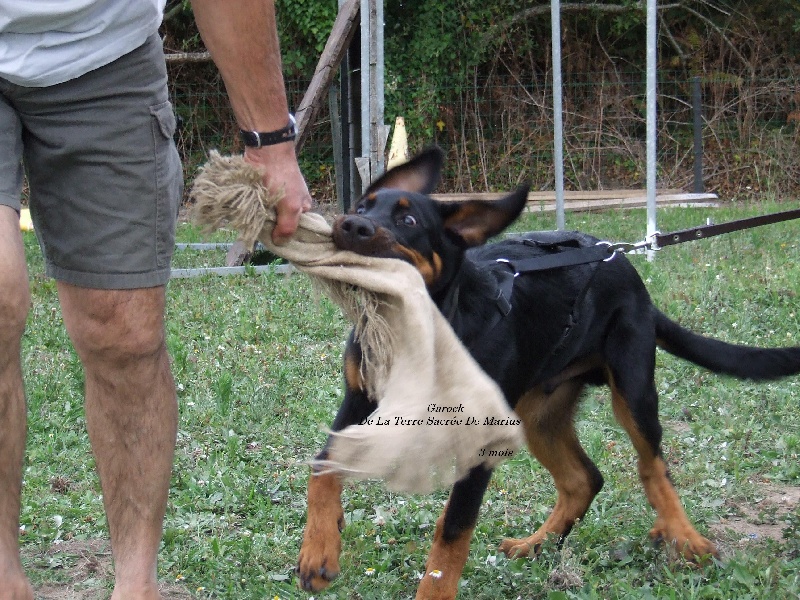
point(363, 236)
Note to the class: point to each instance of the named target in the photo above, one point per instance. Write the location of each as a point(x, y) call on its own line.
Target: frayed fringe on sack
point(228, 192)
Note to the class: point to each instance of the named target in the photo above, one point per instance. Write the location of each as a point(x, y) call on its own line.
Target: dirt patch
point(79, 570)
point(759, 520)
point(752, 522)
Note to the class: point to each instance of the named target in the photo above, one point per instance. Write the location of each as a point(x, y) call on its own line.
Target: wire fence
point(498, 132)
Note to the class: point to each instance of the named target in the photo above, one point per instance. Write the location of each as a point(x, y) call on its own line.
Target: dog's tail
point(744, 362)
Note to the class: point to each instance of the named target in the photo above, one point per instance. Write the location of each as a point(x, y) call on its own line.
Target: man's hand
point(281, 172)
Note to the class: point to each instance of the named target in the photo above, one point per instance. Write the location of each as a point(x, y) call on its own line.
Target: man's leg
point(14, 303)
point(131, 415)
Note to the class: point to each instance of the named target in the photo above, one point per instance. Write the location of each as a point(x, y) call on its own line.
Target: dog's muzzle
point(363, 236)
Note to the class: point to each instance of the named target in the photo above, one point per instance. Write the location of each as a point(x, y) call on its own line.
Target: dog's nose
point(357, 227)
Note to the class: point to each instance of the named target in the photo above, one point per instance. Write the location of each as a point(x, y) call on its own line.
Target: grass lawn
point(257, 358)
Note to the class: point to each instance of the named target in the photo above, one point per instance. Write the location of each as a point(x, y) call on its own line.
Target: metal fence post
point(697, 110)
point(652, 133)
point(558, 112)
point(349, 123)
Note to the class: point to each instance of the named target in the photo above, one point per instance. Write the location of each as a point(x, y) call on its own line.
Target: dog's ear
point(419, 175)
point(472, 222)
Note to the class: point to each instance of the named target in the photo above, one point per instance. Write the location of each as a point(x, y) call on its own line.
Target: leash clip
point(623, 248)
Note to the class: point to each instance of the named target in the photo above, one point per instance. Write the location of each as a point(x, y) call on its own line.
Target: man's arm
point(242, 37)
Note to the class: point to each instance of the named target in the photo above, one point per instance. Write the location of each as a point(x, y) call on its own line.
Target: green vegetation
point(475, 77)
point(257, 358)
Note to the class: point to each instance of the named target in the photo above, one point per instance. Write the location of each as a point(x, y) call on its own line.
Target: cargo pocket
point(169, 180)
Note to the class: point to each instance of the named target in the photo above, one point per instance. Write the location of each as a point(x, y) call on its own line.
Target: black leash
point(707, 231)
point(565, 249)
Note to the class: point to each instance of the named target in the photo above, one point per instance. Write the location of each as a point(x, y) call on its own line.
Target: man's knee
point(15, 298)
point(115, 326)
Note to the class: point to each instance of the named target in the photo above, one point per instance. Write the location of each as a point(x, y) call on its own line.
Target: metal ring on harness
point(612, 249)
point(505, 261)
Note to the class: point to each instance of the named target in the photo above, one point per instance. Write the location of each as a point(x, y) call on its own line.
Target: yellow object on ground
point(25, 222)
point(398, 152)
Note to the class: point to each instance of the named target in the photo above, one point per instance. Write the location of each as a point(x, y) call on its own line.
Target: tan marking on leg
point(318, 563)
point(548, 422)
point(672, 525)
point(445, 564)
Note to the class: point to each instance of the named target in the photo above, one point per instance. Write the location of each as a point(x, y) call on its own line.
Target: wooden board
point(592, 200)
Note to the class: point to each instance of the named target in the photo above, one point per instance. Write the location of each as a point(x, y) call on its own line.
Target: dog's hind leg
point(318, 563)
point(550, 432)
point(635, 403)
point(452, 537)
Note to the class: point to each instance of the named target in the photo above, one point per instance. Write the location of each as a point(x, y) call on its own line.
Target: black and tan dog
point(542, 337)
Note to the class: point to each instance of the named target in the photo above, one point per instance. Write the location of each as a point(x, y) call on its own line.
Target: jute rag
point(438, 414)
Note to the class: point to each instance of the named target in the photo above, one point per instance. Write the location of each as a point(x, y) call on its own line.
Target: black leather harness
point(564, 249)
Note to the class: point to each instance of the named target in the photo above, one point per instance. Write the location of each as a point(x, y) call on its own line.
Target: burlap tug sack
point(438, 413)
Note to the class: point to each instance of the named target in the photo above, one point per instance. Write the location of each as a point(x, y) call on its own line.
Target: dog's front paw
point(318, 563)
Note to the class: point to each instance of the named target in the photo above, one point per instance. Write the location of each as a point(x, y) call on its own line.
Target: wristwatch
point(257, 139)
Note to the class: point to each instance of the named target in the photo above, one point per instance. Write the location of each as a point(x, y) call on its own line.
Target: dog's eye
point(409, 220)
point(360, 209)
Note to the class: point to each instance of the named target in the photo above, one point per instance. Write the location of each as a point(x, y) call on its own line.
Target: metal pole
point(651, 121)
point(374, 133)
point(380, 131)
point(558, 122)
point(336, 109)
point(366, 70)
point(348, 183)
point(697, 109)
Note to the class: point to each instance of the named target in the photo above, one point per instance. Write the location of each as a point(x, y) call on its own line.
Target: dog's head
point(397, 219)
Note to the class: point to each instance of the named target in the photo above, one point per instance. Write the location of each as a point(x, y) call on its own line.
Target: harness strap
point(505, 287)
point(579, 256)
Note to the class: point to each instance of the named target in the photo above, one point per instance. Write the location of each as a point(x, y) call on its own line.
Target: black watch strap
point(257, 139)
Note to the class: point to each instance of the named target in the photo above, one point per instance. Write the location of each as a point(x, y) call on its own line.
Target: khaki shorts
point(105, 178)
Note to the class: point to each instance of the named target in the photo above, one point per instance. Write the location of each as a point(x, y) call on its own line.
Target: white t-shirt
point(45, 42)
